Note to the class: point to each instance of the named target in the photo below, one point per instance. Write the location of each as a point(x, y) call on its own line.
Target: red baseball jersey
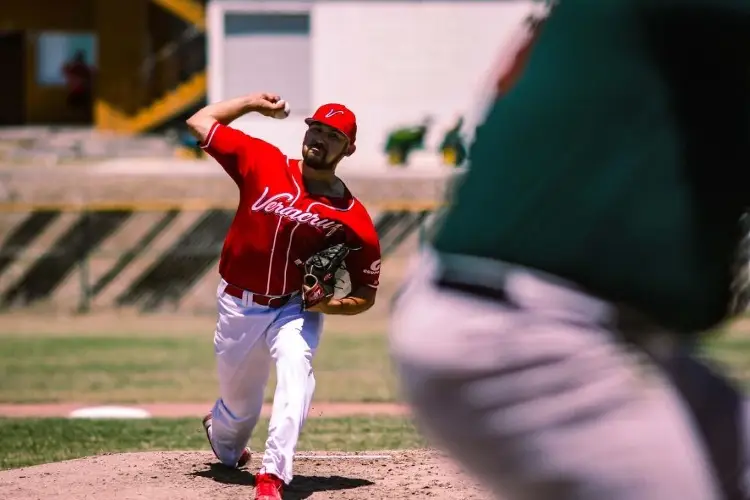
point(278, 221)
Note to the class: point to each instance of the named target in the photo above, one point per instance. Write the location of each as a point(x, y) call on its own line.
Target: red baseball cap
point(337, 116)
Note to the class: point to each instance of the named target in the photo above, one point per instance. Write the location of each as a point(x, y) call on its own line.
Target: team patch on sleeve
point(374, 272)
point(374, 268)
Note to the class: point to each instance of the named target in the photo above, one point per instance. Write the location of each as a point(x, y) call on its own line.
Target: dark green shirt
point(621, 158)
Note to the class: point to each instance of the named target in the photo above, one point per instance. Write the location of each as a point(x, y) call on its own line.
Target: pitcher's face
point(323, 146)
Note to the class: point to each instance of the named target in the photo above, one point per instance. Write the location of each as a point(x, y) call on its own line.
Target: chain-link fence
point(161, 256)
point(148, 257)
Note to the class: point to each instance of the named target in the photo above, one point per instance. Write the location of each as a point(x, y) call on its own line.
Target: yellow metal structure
point(175, 101)
point(125, 32)
point(172, 103)
point(190, 11)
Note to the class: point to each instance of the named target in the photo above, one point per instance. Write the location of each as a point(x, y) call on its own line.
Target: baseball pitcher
point(544, 337)
point(295, 226)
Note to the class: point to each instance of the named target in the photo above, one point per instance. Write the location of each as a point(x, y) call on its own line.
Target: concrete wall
point(391, 62)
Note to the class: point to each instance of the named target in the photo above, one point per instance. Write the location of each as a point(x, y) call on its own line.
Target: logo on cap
point(333, 113)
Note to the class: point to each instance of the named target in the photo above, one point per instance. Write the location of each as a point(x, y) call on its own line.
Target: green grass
point(140, 369)
point(137, 369)
point(26, 442)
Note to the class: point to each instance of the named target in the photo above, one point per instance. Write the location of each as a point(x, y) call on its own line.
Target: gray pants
point(535, 393)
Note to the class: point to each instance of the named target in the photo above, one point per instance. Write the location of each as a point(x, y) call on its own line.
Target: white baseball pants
point(537, 395)
point(248, 339)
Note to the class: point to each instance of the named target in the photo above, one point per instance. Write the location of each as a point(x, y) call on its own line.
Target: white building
point(393, 62)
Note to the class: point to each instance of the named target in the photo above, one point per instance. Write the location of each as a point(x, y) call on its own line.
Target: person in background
point(78, 79)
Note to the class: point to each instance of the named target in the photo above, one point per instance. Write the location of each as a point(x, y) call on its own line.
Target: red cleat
point(268, 487)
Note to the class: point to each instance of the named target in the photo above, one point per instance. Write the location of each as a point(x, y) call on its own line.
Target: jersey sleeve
point(363, 263)
point(234, 150)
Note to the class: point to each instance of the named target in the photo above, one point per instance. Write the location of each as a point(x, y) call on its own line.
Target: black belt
point(453, 280)
point(626, 318)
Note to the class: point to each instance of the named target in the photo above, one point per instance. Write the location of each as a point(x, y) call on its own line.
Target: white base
point(109, 412)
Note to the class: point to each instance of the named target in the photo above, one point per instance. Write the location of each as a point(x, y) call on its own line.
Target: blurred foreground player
point(541, 339)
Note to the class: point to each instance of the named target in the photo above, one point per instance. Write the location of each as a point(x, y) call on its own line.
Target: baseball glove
point(319, 274)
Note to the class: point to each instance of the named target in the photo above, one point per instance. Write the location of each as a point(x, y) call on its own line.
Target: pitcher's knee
point(295, 359)
point(295, 381)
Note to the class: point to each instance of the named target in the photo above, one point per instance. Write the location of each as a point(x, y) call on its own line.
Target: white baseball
point(282, 113)
point(343, 285)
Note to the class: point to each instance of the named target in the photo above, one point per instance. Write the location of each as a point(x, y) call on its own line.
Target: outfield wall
point(145, 235)
point(148, 257)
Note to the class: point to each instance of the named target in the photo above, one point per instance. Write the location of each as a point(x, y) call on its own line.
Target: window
point(54, 49)
point(268, 52)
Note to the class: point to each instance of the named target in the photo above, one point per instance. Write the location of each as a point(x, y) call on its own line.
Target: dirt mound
point(196, 475)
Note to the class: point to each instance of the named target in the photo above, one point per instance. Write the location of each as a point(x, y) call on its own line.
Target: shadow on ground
point(302, 486)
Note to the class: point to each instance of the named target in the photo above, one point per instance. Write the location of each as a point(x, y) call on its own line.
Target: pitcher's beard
point(317, 162)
